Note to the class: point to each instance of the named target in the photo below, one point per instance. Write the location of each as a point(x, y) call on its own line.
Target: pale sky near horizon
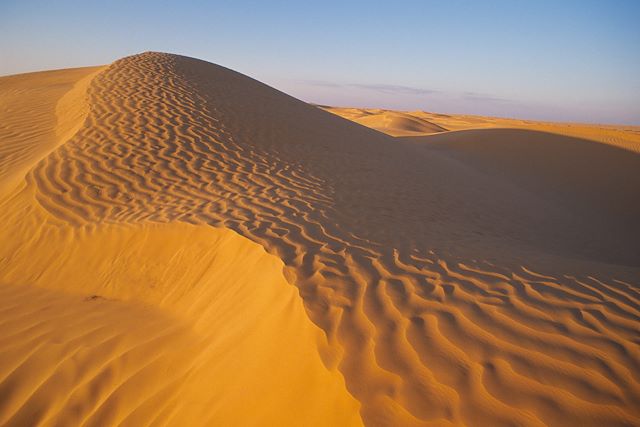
point(546, 60)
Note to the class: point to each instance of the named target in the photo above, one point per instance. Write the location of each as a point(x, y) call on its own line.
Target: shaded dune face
point(450, 289)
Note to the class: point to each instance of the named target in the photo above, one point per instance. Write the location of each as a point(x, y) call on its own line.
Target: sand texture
point(184, 245)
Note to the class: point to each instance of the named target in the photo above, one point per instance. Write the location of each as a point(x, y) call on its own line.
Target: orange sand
point(478, 277)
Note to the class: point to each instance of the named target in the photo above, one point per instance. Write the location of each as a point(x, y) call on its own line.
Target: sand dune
point(171, 324)
point(486, 277)
point(627, 137)
point(394, 123)
point(39, 111)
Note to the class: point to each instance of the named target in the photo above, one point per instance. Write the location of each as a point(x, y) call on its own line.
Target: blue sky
point(561, 60)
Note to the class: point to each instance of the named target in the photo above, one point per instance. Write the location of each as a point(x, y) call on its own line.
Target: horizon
point(575, 62)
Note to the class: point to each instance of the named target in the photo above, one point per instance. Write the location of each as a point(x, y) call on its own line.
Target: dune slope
point(159, 324)
point(35, 119)
point(452, 286)
point(151, 324)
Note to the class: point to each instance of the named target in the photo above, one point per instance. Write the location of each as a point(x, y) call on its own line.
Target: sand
point(183, 245)
point(417, 123)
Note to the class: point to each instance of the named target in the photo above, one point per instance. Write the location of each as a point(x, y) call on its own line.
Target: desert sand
point(419, 123)
point(184, 245)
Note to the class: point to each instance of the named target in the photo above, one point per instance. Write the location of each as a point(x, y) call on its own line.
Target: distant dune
point(184, 245)
point(416, 123)
point(394, 123)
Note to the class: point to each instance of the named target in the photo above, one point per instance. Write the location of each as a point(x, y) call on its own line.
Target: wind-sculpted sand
point(486, 277)
point(39, 111)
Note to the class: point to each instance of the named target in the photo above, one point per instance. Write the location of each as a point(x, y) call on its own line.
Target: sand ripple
point(447, 294)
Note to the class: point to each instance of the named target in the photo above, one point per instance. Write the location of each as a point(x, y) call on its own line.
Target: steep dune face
point(452, 286)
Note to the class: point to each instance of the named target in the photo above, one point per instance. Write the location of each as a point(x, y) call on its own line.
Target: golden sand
point(183, 245)
point(418, 123)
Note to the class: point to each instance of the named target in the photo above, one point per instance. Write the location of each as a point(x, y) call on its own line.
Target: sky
point(547, 60)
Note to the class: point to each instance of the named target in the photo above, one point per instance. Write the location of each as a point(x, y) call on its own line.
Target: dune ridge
point(36, 119)
point(151, 323)
point(444, 294)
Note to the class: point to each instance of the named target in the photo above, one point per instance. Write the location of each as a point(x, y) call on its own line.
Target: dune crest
point(452, 288)
point(39, 112)
point(106, 324)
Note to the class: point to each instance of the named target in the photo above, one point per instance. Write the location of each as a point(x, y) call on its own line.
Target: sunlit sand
point(184, 245)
